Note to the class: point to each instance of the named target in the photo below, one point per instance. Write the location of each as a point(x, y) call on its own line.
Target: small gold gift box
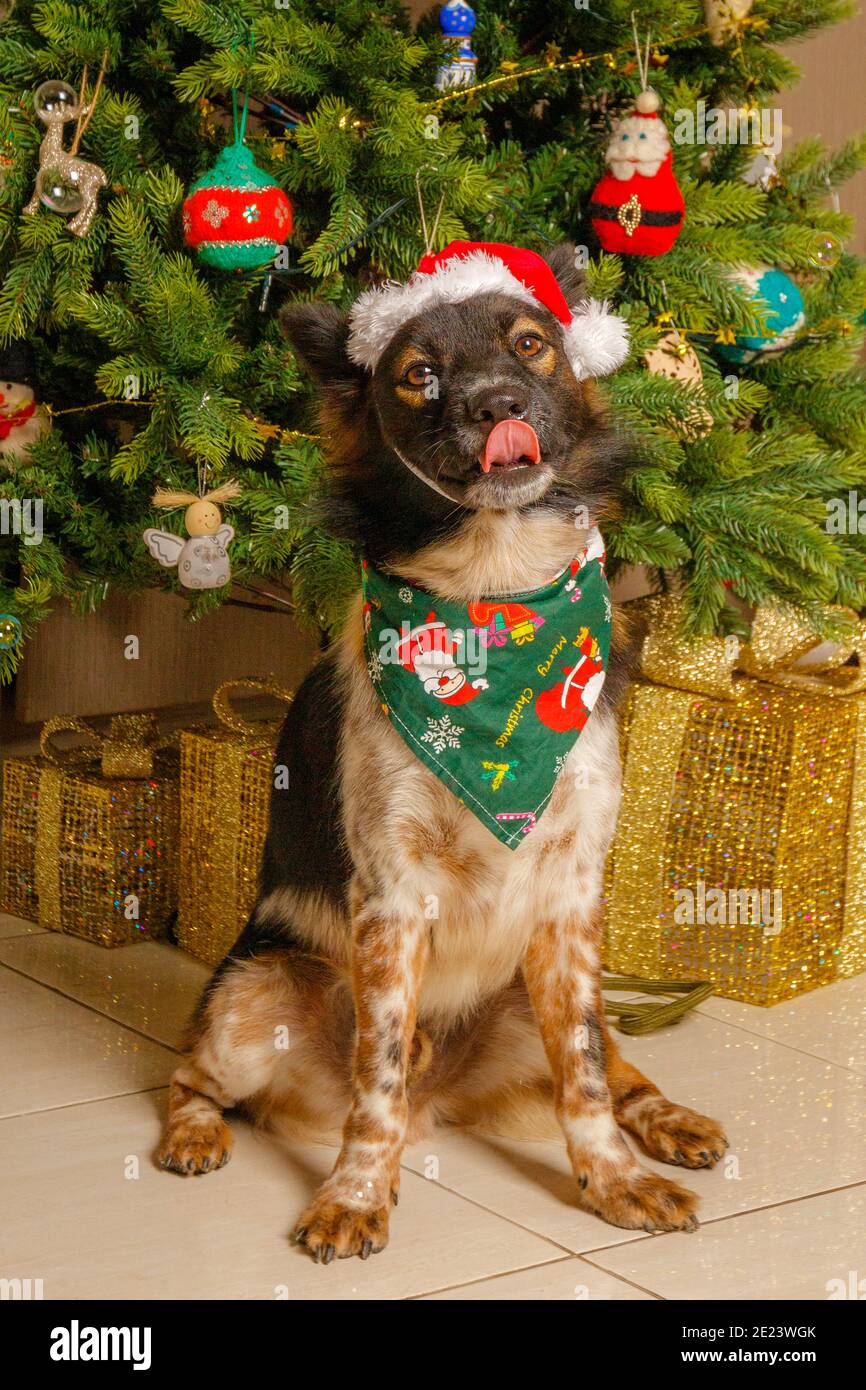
point(740, 853)
point(226, 780)
point(90, 834)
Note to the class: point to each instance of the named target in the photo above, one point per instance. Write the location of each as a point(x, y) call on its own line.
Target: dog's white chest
point(481, 899)
point(487, 908)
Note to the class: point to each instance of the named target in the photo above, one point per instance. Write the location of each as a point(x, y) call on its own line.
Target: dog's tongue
point(508, 443)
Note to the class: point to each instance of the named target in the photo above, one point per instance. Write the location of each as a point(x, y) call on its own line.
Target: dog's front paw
point(332, 1227)
point(639, 1200)
point(674, 1134)
point(193, 1148)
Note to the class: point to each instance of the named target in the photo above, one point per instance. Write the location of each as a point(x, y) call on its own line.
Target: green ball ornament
point(235, 215)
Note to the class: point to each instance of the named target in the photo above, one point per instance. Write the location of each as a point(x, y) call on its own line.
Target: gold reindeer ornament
point(66, 183)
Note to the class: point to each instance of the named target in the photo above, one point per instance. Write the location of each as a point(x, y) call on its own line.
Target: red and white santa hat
point(596, 341)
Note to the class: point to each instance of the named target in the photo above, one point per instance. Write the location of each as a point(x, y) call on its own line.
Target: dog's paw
point(192, 1149)
point(330, 1227)
point(674, 1134)
point(639, 1200)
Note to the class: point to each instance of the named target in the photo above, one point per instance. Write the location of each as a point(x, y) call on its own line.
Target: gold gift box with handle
point(90, 833)
point(740, 853)
point(226, 781)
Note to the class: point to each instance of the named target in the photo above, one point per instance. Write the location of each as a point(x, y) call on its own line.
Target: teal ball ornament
point(784, 318)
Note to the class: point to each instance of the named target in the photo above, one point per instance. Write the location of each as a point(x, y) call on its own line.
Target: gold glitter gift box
point(740, 854)
point(89, 836)
point(226, 779)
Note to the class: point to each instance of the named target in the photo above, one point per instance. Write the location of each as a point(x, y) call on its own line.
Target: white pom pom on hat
point(647, 102)
point(595, 340)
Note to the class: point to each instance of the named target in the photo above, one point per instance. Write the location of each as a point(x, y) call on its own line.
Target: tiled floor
point(88, 1042)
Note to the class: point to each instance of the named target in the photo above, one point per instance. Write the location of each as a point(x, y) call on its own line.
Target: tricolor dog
point(428, 924)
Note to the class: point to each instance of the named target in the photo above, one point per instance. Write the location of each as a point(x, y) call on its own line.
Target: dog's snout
point(497, 403)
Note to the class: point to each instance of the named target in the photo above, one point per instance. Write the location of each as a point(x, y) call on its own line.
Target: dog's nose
point(497, 403)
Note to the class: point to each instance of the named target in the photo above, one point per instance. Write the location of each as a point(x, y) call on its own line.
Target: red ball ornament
point(236, 216)
point(637, 208)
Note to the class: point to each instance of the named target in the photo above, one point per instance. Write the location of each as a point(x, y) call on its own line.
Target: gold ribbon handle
point(779, 641)
point(68, 757)
point(125, 751)
point(705, 666)
point(714, 666)
point(267, 685)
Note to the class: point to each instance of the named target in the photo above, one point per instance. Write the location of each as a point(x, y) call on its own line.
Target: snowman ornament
point(202, 560)
point(22, 419)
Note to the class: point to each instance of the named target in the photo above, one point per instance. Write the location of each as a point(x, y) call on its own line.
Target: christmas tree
point(163, 367)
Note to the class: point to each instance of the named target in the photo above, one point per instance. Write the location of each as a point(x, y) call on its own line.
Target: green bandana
point(492, 696)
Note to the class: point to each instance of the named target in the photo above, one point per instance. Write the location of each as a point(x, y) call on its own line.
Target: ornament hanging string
point(642, 62)
point(429, 237)
point(667, 320)
point(85, 114)
point(240, 127)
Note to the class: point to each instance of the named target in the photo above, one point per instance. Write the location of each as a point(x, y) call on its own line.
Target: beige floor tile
point(16, 926)
point(56, 1052)
point(150, 986)
point(75, 1219)
point(562, 1281)
point(793, 1251)
point(795, 1126)
point(828, 1022)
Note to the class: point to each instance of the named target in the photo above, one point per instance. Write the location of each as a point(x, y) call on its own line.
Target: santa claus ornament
point(202, 561)
point(637, 208)
point(22, 420)
point(492, 696)
point(236, 216)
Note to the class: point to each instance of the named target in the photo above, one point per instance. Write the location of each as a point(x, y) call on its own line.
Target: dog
point(470, 454)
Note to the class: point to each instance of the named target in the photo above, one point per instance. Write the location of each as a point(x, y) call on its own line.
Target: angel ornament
point(202, 561)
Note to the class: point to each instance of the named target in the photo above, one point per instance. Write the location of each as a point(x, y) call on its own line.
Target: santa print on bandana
point(492, 696)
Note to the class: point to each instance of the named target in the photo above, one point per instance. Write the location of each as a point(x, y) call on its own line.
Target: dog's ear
point(572, 280)
point(319, 334)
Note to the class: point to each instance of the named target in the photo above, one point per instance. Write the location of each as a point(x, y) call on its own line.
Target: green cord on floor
point(643, 1016)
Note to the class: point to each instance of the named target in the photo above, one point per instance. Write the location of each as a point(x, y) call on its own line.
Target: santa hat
point(596, 342)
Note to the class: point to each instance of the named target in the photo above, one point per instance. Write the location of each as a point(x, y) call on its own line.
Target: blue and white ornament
point(784, 320)
point(457, 20)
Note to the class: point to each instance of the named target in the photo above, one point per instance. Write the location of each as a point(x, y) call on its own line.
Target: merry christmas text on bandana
point(492, 695)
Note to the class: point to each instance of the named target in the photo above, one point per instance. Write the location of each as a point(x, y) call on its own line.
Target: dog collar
point(492, 695)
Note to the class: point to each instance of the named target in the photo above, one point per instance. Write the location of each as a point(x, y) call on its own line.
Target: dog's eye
point(419, 374)
point(528, 345)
